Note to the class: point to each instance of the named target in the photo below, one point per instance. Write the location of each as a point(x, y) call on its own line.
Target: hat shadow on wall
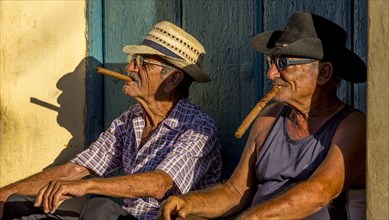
point(71, 111)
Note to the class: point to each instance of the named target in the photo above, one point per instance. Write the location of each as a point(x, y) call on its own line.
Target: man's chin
point(128, 91)
point(280, 99)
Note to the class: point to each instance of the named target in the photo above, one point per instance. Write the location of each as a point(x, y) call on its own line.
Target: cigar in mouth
point(255, 111)
point(113, 74)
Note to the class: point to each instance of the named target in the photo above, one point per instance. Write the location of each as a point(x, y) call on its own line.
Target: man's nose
point(131, 67)
point(273, 72)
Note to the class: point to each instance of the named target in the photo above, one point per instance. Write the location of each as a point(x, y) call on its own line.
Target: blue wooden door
point(225, 28)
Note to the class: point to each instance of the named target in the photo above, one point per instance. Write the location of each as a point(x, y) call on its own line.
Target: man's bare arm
point(151, 184)
point(343, 167)
point(32, 184)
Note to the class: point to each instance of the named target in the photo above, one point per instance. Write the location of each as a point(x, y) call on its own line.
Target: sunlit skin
point(310, 90)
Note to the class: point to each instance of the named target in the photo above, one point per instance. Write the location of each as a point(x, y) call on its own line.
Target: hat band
point(281, 44)
point(160, 48)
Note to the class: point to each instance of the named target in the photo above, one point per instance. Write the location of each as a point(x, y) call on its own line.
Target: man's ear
point(173, 80)
point(326, 69)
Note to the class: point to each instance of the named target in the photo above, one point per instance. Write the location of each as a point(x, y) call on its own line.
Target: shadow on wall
point(70, 111)
point(80, 111)
point(71, 114)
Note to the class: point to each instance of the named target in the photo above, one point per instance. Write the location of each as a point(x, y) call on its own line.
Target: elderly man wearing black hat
point(165, 144)
point(305, 156)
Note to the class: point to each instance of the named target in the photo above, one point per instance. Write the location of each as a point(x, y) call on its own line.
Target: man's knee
point(18, 205)
point(101, 208)
point(97, 204)
point(19, 198)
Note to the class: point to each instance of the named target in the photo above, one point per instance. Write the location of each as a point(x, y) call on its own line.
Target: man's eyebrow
point(153, 57)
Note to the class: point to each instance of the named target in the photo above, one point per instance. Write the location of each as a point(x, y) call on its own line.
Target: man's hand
point(174, 205)
point(50, 195)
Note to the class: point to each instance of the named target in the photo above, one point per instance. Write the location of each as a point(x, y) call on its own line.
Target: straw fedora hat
point(312, 36)
point(175, 46)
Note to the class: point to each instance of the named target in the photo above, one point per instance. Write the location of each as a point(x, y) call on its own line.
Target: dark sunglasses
point(282, 63)
point(141, 61)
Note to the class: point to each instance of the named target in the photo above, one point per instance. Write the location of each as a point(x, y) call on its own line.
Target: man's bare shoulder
point(352, 127)
point(356, 120)
point(357, 117)
point(350, 138)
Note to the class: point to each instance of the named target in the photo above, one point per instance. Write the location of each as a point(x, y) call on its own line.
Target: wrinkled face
point(148, 74)
point(297, 78)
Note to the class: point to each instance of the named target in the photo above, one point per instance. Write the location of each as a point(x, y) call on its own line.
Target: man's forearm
point(298, 203)
point(219, 201)
point(26, 187)
point(31, 185)
point(152, 184)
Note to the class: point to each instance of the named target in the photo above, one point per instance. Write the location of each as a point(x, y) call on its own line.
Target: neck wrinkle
point(156, 112)
point(318, 114)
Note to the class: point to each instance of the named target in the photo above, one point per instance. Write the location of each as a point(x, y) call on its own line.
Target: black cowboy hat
point(312, 36)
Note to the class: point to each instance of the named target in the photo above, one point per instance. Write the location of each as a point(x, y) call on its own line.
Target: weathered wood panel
point(360, 43)
point(94, 81)
point(225, 28)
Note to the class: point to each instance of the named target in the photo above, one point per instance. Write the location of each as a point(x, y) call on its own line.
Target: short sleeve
point(188, 161)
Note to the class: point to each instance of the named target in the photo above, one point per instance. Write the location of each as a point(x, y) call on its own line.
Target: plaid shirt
point(185, 146)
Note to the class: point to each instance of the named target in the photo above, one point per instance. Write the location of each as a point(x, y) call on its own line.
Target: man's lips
point(279, 83)
point(134, 77)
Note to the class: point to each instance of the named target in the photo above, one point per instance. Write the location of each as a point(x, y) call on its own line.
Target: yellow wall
point(378, 111)
point(42, 77)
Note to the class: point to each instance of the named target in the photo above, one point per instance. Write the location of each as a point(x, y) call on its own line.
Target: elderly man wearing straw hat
point(305, 156)
point(165, 144)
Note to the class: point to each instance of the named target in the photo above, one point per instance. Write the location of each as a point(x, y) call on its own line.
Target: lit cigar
point(113, 74)
point(255, 111)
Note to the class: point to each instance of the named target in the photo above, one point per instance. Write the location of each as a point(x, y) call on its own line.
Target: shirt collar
point(175, 119)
